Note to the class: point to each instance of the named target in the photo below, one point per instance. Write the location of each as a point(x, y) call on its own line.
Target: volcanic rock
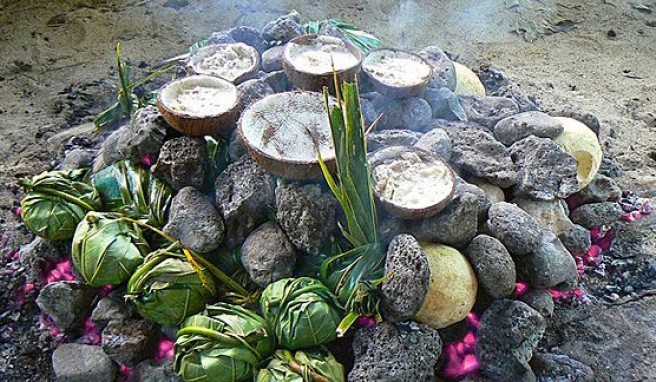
point(268, 255)
point(519, 126)
point(306, 215)
point(244, 193)
point(610, 168)
point(398, 352)
point(404, 290)
point(552, 214)
point(144, 135)
point(488, 110)
point(546, 171)
point(508, 334)
point(77, 158)
point(195, 221)
point(478, 153)
point(444, 74)
point(634, 239)
point(41, 250)
point(82, 363)
point(549, 266)
point(408, 113)
point(279, 81)
point(519, 232)
point(445, 104)
point(601, 189)
point(272, 58)
point(597, 214)
point(222, 37)
point(482, 198)
point(108, 154)
point(389, 227)
point(553, 367)
point(111, 309)
point(437, 142)
point(368, 112)
point(66, 302)
point(236, 147)
point(183, 162)
point(456, 225)
point(577, 240)
point(153, 371)
point(129, 342)
point(540, 300)
point(391, 137)
point(283, 28)
point(586, 117)
point(495, 269)
point(252, 91)
point(249, 36)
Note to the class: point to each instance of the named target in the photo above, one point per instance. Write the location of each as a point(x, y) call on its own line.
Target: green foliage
point(106, 249)
point(353, 274)
point(363, 40)
point(303, 312)
point(56, 201)
point(225, 343)
point(133, 191)
point(313, 365)
point(166, 288)
point(128, 102)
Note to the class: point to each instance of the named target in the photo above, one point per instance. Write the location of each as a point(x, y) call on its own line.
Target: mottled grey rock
point(153, 371)
point(283, 28)
point(551, 214)
point(389, 227)
point(445, 104)
point(249, 36)
point(444, 73)
point(66, 302)
point(549, 266)
point(635, 239)
point(478, 153)
point(272, 58)
point(482, 198)
point(108, 154)
point(111, 309)
point(495, 269)
point(601, 189)
point(519, 126)
point(129, 342)
point(437, 142)
point(77, 158)
point(508, 335)
point(519, 232)
point(236, 147)
point(553, 368)
point(244, 193)
point(403, 292)
point(195, 221)
point(306, 214)
point(144, 135)
point(183, 162)
point(268, 255)
point(577, 240)
point(486, 110)
point(221, 37)
point(392, 137)
point(610, 168)
point(279, 81)
point(597, 214)
point(409, 113)
point(586, 117)
point(41, 250)
point(252, 91)
point(82, 363)
point(540, 300)
point(546, 171)
point(368, 112)
point(399, 352)
point(456, 225)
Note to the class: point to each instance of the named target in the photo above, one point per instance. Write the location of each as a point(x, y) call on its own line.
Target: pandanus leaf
point(312, 365)
point(56, 201)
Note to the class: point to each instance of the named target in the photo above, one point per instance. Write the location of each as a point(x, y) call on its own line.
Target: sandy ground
point(57, 71)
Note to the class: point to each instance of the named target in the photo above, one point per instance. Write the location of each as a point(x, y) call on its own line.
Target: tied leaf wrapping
point(106, 250)
point(303, 312)
point(56, 201)
point(166, 288)
point(224, 343)
point(131, 189)
point(313, 365)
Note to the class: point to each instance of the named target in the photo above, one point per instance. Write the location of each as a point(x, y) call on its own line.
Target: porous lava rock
point(183, 162)
point(519, 232)
point(66, 302)
point(554, 367)
point(154, 371)
point(268, 255)
point(597, 214)
point(82, 363)
point(549, 266)
point(437, 142)
point(601, 189)
point(130, 341)
point(488, 110)
point(392, 137)
point(252, 91)
point(577, 240)
point(283, 28)
point(494, 267)
point(540, 300)
point(519, 126)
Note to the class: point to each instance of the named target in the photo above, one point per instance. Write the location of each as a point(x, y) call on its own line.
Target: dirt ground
point(57, 71)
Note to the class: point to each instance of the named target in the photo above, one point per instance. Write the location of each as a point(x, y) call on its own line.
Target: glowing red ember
point(460, 357)
point(147, 160)
point(61, 271)
point(521, 287)
point(165, 349)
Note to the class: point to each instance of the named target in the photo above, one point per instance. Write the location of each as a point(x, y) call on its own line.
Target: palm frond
point(363, 40)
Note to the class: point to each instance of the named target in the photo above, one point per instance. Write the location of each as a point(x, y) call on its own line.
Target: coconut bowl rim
point(397, 88)
point(162, 101)
point(252, 69)
point(352, 49)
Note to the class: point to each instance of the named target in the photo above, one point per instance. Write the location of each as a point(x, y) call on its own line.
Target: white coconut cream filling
point(411, 182)
point(320, 55)
point(229, 61)
point(396, 68)
point(200, 100)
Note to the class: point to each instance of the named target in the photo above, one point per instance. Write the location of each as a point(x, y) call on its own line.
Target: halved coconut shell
point(397, 73)
point(309, 60)
point(236, 62)
point(199, 105)
point(411, 183)
point(284, 133)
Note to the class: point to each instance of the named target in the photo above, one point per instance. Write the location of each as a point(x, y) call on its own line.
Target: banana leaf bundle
point(106, 249)
point(224, 343)
point(56, 201)
point(131, 189)
point(304, 313)
point(312, 365)
point(166, 288)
